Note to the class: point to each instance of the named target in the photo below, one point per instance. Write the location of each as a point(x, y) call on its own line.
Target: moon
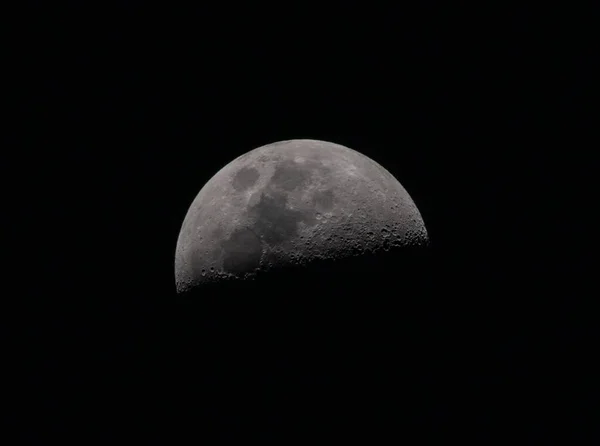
point(290, 203)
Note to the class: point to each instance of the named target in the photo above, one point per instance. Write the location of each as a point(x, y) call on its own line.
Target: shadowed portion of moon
point(292, 203)
point(285, 254)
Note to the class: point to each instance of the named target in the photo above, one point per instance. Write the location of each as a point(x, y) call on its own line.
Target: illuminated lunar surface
point(293, 202)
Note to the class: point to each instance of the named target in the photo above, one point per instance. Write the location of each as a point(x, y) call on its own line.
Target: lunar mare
point(292, 202)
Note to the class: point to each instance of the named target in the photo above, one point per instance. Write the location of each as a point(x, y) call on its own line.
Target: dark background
point(482, 114)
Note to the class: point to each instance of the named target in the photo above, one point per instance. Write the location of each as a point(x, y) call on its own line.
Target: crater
point(198, 259)
point(245, 178)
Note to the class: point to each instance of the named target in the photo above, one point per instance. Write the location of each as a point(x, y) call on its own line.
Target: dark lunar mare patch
point(244, 178)
point(217, 233)
point(323, 199)
point(276, 223)
point(289, 176)
point(242, 252)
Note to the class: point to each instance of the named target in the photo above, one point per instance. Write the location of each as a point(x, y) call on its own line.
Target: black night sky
point(123, 115)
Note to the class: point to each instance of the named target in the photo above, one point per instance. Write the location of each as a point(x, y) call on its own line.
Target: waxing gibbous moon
point(288, 203)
